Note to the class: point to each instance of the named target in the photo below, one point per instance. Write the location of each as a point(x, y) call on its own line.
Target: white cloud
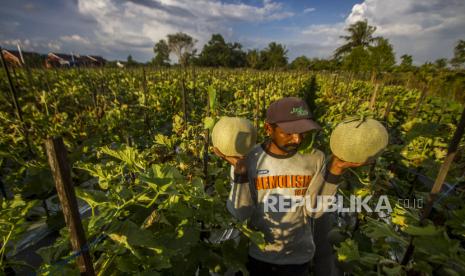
point(75, 39)
point(308, 10)
point(136, 25)
point(428, 30)
point(33, 45)
point(54, 46)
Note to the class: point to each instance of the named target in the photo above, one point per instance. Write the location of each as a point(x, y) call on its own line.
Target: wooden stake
point(333, 87)
point(58, 161)
point(257, 106)
point(184, 102)
point(420, 101)
point(16, 105)
point(205, 148)
point(373, 97)
point(451, 152)
point(144, 87)
point(389, 106)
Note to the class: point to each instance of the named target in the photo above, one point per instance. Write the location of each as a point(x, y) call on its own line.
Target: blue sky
point(426, 29)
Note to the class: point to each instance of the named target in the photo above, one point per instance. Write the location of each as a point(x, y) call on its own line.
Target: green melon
point(234, 136)
point(358, 140)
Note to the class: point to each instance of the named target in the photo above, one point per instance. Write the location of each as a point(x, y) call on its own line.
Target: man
point(270, 183)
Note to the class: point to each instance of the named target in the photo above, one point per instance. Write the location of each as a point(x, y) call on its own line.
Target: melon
point(234, 136)
point(358, 140)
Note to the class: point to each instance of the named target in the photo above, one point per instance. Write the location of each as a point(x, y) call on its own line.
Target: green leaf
point(429, 230)
point(394, 269)
point(437, 245)
point(131, 235)
point(348, 251)
point(380, 230)
point(128, 155)
point(208, 123)
point(92, 197)
point(457, 222)
point(258, 238)
point(212, 98)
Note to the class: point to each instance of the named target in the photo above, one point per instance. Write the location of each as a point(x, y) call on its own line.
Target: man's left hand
point(338, 166)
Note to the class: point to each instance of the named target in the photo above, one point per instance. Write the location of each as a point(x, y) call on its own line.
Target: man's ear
point(268, 129)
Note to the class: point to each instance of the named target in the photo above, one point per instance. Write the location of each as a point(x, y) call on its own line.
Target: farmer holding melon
point(271, 181)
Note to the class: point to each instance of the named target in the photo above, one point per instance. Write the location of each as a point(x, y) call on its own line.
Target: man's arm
point(240, 202)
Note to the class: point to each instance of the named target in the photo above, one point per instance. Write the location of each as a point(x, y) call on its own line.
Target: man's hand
point(238, 163)
point(338, 166)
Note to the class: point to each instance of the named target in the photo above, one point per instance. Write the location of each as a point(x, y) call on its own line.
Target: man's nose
point(297, 138)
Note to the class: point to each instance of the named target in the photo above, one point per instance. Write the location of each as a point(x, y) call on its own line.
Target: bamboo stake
point(19, 112)
point(451, 152)
point(61, 171)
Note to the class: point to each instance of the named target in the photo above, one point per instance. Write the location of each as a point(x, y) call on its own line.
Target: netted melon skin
point(359, 141)
point(234, 136)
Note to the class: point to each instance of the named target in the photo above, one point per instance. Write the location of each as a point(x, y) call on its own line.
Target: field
point(143, 168)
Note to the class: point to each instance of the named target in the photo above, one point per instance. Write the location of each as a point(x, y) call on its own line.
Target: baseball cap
point(292, 115)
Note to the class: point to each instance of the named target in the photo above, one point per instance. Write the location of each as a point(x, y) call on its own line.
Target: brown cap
point(292, 115)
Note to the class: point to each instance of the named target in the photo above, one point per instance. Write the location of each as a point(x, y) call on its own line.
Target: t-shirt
point(270, 200)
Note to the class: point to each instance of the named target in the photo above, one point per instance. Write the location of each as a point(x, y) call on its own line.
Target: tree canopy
point(382, 57)
point(219, 53)
point(162, 53)
point(360, 35)
point(274, 56)
point(182, 45)
point(364, 52)
point(459, 54)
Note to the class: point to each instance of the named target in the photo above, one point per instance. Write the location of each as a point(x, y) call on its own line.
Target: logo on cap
point(300, 111)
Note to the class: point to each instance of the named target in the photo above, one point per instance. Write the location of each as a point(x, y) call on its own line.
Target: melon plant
point(358, 140)
point(234, 136)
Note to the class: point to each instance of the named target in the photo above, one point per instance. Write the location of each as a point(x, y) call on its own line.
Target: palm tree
point(360, 34)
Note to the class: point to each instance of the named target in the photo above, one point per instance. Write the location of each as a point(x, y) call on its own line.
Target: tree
point(441, 63)
point(357, 60)
point(323, 64)
point(382, 57)
point(162, 53)
point(237, 57)
point(253, 58)
point(300, 63)
point(274, 56)
point(182, 45)
point(360, 35)
point(459, 54)
point(406, 63)
point(214, 53)
point(130, 61)
point(219, 53)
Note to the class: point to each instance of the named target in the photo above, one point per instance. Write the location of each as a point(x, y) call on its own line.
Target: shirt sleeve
point(240, 202)
point(321, 190)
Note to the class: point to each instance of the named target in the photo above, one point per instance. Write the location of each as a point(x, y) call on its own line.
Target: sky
point(426, 29)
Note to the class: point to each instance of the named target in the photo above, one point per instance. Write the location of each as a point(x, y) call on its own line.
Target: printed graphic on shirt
point(284, 181)
point(263, 171)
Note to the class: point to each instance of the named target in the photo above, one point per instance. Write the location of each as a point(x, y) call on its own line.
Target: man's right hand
point(239, 163)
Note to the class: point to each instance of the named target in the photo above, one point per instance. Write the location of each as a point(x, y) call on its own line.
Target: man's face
point(287, 142)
